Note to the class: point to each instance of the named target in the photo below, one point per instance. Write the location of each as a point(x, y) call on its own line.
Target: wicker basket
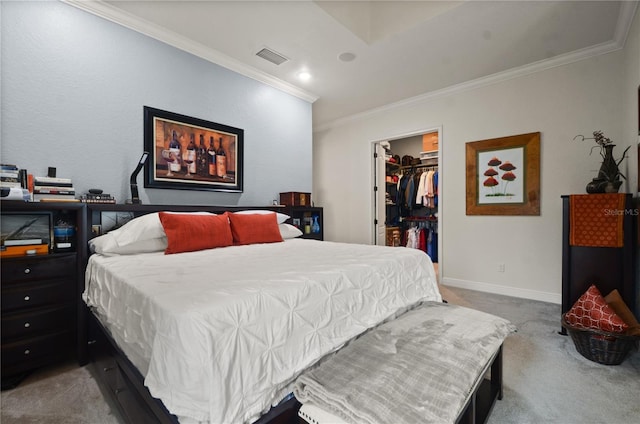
point(600, 346)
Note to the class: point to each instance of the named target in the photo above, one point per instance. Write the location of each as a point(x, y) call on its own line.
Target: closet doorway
point(407, 192)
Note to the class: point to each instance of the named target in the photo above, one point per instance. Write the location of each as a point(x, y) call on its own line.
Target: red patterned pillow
point(592, 312)
point(187, 233)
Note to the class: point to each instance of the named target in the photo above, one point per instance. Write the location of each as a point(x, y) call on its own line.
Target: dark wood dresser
point(608, 268)
point(41, 295)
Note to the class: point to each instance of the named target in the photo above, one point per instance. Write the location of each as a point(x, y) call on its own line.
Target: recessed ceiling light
point(304, 75)
point(347, 56)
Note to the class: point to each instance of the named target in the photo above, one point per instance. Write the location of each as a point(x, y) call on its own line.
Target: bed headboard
point(104, 217)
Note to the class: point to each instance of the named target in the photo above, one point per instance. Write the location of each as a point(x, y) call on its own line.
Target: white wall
point(560, 103)
point(631, 124)
point(73, 90)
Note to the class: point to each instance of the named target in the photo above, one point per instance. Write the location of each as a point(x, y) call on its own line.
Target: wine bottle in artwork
point(190, 157)
point(212, 158)
point(201, 158)
point(221, 161)
point(175, 151)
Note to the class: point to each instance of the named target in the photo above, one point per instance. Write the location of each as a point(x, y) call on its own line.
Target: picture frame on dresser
point(176, 160)
point(25, 228)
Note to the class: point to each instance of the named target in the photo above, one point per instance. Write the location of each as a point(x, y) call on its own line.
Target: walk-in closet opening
point(407, 196)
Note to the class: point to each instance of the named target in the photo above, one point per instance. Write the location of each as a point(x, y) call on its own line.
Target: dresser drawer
point(25, 325)
point(43, 267)
point(28, 295)
point(31, 353)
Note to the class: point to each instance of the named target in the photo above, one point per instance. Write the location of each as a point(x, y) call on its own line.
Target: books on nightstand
point(9, 176)
point(97, 198)
point(53, 189)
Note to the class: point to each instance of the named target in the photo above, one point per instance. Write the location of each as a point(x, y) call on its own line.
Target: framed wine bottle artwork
point(189, 153)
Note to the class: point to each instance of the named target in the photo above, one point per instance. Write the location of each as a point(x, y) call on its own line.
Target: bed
point(220, 334)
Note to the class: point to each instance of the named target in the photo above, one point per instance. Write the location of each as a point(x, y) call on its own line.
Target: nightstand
point(41, 296)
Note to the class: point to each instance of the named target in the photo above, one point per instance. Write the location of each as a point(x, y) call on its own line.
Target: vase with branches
point(609, 176)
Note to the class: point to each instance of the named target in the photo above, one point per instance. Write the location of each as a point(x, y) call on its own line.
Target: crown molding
point(110, 13)
point(478, 83)
point(625, 20)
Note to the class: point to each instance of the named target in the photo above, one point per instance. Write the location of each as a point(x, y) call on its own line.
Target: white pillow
point(108, 246)
point(288, 231)
point(145, 227)
point(280, 216)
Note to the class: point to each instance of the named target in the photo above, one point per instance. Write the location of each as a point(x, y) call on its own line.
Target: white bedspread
point(220, 334)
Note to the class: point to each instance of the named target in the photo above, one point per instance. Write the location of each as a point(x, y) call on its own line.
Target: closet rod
point(424, 165)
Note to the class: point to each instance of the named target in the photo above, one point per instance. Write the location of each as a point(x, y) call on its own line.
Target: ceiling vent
point(272, 56)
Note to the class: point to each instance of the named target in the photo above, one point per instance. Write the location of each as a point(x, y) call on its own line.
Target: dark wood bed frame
point(120, 380)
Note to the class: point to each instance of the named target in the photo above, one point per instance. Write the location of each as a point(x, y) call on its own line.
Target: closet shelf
point(419, 218)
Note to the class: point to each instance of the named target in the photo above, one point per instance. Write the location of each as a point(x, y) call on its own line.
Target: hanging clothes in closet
point(422, 234)
point(427, 192)
point(417, 189)
point(405, 193)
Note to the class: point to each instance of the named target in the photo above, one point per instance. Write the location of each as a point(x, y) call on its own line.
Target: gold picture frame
point(503, 175)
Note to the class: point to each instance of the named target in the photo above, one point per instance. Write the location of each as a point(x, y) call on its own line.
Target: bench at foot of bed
point(438, 363)
point(476, 411)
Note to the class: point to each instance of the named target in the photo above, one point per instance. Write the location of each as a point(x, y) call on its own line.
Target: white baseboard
point(504, 290)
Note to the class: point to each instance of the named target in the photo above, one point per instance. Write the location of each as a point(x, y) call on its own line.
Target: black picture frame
point(169, 165)
point(27, 226)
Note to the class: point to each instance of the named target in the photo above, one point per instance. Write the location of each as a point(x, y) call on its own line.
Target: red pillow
point(592, 312)
point(254, 228)
point(187, 233)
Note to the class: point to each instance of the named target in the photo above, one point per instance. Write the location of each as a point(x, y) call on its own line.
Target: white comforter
point(220, 334)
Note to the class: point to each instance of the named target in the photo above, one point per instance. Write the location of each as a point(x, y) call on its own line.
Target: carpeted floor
point(546, 380)
point(64, 394)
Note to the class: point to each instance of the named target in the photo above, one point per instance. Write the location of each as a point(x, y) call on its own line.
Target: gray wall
point(73, 90)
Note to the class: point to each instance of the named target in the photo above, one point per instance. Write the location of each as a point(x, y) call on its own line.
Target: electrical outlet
point(500, 267)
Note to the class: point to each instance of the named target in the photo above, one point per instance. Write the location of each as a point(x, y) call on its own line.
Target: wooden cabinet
point(308, 219)
point(41, 296)
point(393, 236)
point(608, 268)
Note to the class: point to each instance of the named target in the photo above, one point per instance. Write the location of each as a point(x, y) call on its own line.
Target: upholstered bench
point(437, 363)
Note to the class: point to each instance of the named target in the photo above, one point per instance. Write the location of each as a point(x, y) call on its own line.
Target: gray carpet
point(546, 380)
point(64, 394)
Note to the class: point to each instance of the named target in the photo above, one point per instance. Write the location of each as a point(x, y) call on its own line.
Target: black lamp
point(133, 181)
